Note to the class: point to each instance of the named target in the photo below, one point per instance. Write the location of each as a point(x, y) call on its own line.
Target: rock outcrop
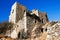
point(53, 31)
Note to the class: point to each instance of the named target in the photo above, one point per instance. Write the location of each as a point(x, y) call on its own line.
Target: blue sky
point(52, 7)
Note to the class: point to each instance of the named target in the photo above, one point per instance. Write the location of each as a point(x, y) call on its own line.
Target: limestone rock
point(53, 32)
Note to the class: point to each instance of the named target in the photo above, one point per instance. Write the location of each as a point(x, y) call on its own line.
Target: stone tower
point(16, 13)
point(25, 20)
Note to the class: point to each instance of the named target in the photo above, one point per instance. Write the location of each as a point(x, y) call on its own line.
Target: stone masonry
point(25, 20)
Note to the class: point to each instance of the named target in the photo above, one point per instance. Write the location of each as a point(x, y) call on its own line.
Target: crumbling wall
point(32, 20)
point(20, 9)
point(43, 17)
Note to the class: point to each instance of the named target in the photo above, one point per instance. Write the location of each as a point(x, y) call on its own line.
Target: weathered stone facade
point(16, 13)
point(25, 20)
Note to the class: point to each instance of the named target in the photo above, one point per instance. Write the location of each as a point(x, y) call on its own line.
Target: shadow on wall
point(33, 16)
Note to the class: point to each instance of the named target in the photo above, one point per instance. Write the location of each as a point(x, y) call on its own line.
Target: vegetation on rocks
point(5, 26)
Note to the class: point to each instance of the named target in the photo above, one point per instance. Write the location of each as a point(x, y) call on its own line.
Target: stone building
point(25, 20)
point(16, 13)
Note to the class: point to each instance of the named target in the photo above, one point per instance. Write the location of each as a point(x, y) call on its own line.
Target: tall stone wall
point(32, 21)
point(20, 12)
point(25, 20)
point(43, 17)
point(17, 12)
point(12, 16)
point(18, 27)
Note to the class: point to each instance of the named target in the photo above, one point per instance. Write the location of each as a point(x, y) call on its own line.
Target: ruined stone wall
point(12, 16)
point(24, 20)
point(19, 12)
point(34, 11)
point(18, 27)
point(43, 17)
point(32, 21)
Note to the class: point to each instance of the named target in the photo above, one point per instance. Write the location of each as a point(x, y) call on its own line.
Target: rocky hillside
point(49, 31)
point(53, 31)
